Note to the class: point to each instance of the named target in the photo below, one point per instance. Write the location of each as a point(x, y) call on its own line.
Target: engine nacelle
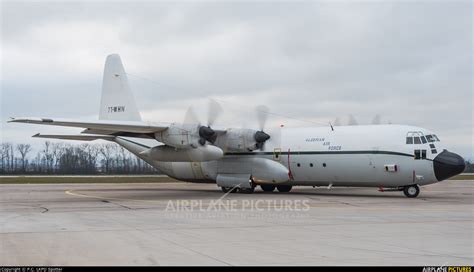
point(190, 154)
point(179, 136)
point(238, 139)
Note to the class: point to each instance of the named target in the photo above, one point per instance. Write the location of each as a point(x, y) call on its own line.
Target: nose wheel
point(411, 191)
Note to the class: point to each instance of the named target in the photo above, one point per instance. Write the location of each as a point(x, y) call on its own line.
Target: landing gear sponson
point(410, 191)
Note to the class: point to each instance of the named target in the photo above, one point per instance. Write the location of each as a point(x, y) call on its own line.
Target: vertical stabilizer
point(117, 101)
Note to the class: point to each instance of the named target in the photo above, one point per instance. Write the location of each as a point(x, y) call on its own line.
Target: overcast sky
point(410, 61)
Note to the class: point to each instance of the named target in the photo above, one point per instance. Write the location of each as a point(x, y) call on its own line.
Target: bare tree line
point(87, 158)
point(68, 159)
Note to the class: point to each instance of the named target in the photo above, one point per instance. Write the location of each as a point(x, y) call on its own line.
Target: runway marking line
point(70, 192)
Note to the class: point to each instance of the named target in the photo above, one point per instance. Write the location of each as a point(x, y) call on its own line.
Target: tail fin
point(117, 102)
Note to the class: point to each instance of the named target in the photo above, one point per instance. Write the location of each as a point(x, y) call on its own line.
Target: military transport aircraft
point(390, 157)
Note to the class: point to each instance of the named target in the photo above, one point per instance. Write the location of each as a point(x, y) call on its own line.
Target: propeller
point(260, 136)
point(206, 133)
point(352, 121)
point(190, 116)
point(376, 120)
point(214, 111)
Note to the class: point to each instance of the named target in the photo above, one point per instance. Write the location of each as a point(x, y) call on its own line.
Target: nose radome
point(448, 164)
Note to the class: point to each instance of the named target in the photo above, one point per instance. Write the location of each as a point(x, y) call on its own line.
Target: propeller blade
point(376, 120)
point(352, 121)
point(190, 117)
point(262, 115)
point(214, 111)
point(337, 122)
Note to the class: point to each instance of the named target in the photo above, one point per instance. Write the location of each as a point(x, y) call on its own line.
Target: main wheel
point(268, 187)
point(284, 188)
point(227, 189)
point(411, 191)
point(247, 190)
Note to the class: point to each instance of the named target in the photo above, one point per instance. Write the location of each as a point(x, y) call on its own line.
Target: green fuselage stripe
point(361, 152)
point(292, 153)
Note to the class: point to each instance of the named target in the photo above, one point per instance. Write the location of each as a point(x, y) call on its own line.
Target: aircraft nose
point(448, 164)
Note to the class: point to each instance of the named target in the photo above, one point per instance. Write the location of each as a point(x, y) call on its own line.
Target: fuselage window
point(417, 154)
point(409, 140)
point(420, 154)
point(298, 164)
point(310, 165)
point(423, 139)
point(417, 140)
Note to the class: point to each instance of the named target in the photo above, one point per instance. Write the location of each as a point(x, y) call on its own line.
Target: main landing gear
point(265, 188)
point(238, 190)
point(284, 188)
point(280, 188)
point(268, 187)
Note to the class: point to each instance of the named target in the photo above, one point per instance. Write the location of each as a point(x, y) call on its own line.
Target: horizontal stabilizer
point(75, 137)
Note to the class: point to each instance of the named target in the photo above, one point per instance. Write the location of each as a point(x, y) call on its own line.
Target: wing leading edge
point(106, 126)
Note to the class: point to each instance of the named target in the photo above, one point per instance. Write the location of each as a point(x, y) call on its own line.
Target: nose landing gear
point(411, 191)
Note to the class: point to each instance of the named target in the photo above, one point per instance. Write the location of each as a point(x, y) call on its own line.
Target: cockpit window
point(432, 138)
point(417, 137)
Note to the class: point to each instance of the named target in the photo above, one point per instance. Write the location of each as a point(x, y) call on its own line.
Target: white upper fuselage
point(347, 155)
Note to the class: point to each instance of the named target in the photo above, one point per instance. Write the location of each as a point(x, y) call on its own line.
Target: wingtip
point(36, 135)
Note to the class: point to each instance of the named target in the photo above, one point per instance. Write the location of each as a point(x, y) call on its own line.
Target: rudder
point(117, 101)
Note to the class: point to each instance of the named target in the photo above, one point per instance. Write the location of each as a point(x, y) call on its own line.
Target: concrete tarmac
point(195, 224)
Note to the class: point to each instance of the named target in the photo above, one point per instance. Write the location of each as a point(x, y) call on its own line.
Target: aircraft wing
point(75, 137)
point(111, 127)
